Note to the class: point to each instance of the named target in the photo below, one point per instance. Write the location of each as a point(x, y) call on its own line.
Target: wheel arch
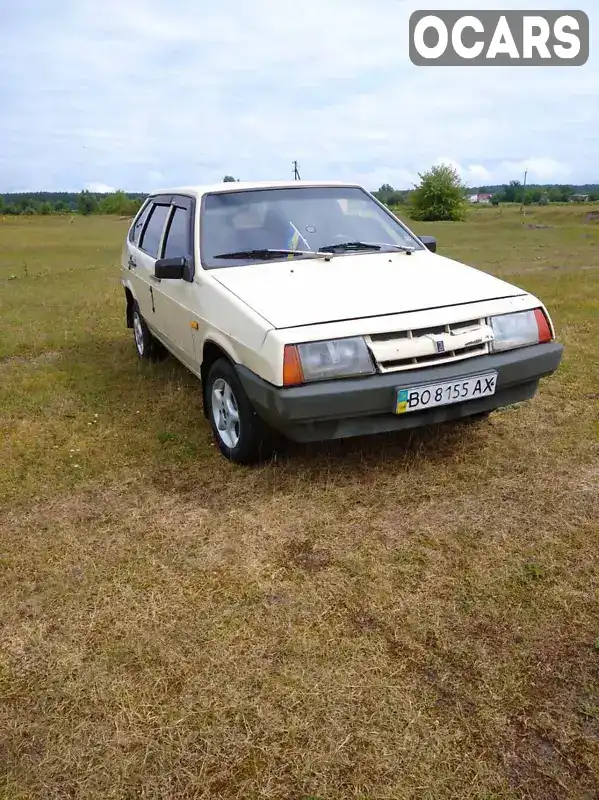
point(130, 298)
point(211, 352)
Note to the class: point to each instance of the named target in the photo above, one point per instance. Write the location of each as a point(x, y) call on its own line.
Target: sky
point(142, 94)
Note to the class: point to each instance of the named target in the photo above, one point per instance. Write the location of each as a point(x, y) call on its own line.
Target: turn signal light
point(292, 366)
point(543, 326)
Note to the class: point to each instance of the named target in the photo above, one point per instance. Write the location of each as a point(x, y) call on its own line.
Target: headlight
point(319, 361)
point(520, 329)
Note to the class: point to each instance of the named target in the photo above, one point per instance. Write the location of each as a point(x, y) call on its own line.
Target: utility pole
point(523, 191)
point(296, 174)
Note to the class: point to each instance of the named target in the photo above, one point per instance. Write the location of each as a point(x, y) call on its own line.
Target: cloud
point(99, 188)
point(140, 94)
point(471, 174)
point(539, 169)
point(478, 174)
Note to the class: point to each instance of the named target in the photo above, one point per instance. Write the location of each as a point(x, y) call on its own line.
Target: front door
point(175, 299)
point(144, 246)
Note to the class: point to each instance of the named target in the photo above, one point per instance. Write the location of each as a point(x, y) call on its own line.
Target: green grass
point(406, 616)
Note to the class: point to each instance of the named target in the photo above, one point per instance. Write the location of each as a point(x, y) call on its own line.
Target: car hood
point(312, 291)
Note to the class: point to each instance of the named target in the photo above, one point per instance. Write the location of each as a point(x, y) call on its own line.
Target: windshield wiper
point(332, 248)
point(265, 253)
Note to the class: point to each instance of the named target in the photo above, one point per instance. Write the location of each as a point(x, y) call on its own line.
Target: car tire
point(147, 346)
point(239, 433)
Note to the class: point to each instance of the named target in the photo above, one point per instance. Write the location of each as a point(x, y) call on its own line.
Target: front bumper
point(357, 406)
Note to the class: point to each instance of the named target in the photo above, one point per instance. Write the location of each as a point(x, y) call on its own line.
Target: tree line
point(439, 195)
point(516, 192)
point(85, 202)
point(512, 192)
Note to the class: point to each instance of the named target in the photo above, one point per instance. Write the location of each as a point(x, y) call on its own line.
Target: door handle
point(132, 262)
point(155, 279)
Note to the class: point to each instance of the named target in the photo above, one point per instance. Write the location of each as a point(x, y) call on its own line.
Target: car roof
point(235, 186)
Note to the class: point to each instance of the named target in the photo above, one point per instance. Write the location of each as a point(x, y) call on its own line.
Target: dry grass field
point(410, 616)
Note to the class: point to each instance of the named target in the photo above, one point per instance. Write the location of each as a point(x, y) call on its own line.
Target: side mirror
point(170, 268)
point(429, 242)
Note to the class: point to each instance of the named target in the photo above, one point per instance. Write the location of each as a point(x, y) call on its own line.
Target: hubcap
point(225, 413)
point(138, 333)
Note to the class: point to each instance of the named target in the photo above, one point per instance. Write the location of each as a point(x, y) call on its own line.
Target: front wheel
point(240, 434)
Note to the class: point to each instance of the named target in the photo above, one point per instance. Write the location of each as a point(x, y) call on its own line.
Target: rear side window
point(150, 241)
point(177, 237)
point(139, 224)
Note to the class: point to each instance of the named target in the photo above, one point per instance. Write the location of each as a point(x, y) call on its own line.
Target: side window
point(150, 241)
point(139, 223)
point(177, 237)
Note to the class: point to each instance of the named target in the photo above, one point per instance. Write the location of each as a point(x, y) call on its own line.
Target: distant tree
point(566, 193)
point(134, 205)
point(60, 207)
point(495, 200)
point(513, 192)
point(397, 198)
point(389, 196)
point(535, 194)
point(46, 208)
point(383, 192)
point(116, 203)
point(229, 179)
point(544, 199)
point(439, 195)
point(86, 203)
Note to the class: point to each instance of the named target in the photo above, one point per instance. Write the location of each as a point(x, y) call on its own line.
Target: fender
point(126, 283)
point(217, 343)
point(129, 292)
point(220, 340)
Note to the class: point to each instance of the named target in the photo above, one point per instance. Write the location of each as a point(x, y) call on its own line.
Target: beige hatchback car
point(309, 310)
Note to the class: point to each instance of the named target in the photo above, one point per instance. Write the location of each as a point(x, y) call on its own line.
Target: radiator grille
point(420, 347)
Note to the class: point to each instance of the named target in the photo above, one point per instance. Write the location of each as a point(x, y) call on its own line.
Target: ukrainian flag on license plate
point(402, 401)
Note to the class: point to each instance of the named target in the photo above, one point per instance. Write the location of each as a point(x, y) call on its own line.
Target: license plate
point(430, 395)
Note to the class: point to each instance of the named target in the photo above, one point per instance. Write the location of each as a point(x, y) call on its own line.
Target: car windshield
point(250, 226)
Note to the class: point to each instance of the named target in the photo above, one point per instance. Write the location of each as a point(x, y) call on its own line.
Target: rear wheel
point(147, 346)
point(240, 434)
